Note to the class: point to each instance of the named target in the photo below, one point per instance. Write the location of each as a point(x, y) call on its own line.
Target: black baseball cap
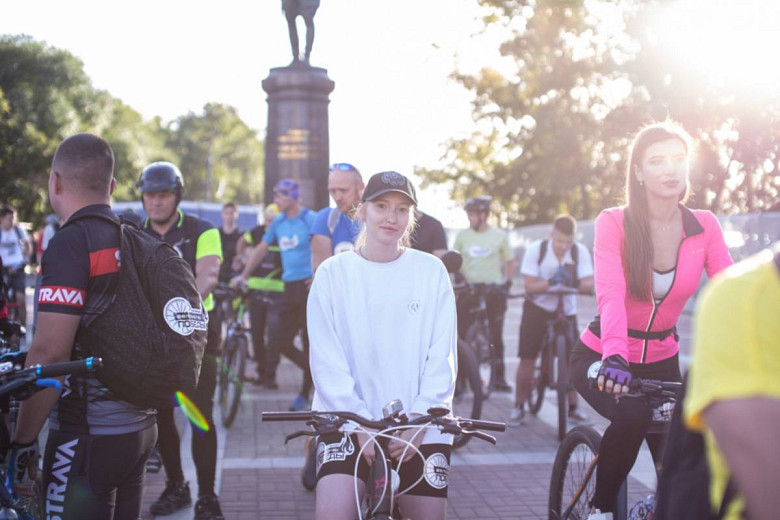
point(386, 182)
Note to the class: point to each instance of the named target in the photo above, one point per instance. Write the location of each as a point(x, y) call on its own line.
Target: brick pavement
point(259, 476)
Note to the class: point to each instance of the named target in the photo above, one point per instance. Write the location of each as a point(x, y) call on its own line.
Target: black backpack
point(152, 333)
point(684, 484)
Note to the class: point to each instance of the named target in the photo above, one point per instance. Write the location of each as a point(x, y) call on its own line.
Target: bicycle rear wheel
point(562, 384)
point(478, 339)
point(540, 381)
point(573, 480)
point(463, 404)
point(231, 377)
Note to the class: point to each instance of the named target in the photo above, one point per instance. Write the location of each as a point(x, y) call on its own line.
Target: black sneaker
point(207, 508)
point(175, 496)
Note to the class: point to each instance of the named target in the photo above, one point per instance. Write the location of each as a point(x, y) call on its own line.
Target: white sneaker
point(516, 416)
point(578, 416)
point(598, 515)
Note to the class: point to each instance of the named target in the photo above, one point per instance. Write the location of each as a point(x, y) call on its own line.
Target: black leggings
point(204, 444)
point(630, 419)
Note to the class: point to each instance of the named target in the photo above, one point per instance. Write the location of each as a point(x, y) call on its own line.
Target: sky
point(393, 106)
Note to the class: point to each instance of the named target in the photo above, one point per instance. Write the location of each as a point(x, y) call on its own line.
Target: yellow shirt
point(736, 352)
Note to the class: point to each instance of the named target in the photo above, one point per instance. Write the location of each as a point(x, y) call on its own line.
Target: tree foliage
point(45, 96)
point(578, 79)
point(220, 156)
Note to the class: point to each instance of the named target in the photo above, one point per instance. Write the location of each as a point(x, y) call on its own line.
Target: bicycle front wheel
point(573, 480)
point(232, 374)
point(463, 404)
point(541, 374)
point(478, 339)
point(562, 384)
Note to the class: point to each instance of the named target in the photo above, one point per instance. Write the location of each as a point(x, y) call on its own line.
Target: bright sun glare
point(732, 43)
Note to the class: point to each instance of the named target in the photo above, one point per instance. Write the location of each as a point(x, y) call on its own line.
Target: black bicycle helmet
point(161, 176)
point(479, 203)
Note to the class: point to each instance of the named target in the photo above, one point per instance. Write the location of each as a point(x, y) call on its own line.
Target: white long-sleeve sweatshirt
point(383, 331)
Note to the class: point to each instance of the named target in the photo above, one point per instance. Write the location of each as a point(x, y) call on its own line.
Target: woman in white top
point(382, 326)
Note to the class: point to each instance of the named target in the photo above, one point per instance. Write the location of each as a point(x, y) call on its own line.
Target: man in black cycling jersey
point(95, 459)
point(428, 234)
point(197, 241)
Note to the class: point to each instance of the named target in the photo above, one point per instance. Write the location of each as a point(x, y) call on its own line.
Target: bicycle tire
point(223, 375)
point(468, 369)
point(573, 479)
point(235, 384)
point(562, 384)
point(477, 337)
point(539, 385)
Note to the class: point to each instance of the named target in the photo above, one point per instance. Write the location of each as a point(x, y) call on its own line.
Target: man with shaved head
point(95, 458)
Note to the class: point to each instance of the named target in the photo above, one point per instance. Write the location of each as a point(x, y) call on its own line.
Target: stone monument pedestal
point(297, 143)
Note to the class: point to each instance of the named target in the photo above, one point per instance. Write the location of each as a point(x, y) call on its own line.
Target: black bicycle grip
point(81, 366)
point(474, 424)
point(287, 416)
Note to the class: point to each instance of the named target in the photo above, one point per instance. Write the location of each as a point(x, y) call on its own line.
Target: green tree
point(45, 96)
point(580, 78)
point(220, 157)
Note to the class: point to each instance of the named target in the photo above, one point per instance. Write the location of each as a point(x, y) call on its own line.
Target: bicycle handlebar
point(332, 420)
point(38, 377)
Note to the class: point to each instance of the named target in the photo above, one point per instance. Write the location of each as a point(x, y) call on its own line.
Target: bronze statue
point(305, 8)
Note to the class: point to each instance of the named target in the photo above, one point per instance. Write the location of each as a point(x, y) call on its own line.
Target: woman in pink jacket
point(649, 256)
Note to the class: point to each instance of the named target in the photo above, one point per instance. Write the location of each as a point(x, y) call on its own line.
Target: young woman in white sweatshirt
point(382, 326)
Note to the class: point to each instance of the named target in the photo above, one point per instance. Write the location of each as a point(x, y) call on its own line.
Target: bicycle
point(468, 378)
point(380, 494)
point(477, 336)
point(234, 353)
point(551, 370)
point(17, 384)
point(572, 483)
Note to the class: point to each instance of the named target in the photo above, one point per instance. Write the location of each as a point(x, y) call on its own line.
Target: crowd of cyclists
point(362, 304)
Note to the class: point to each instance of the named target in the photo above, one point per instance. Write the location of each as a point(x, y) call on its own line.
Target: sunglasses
point(346, 167)
point(283, 193)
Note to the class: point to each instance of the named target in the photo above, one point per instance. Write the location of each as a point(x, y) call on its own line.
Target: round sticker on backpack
point(183, 318)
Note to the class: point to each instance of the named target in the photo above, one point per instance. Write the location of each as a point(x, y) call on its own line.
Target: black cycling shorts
point(533, 328)
point(94, 477)
point(337, 453)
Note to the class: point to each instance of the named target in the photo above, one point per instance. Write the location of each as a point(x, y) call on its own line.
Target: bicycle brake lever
point(481, 435)
point(300, 433)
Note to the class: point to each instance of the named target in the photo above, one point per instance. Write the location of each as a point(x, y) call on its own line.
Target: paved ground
point(259, 476)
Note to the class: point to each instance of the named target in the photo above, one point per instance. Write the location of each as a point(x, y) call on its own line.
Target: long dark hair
point(638, 246)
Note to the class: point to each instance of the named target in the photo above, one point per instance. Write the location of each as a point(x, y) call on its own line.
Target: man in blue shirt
point(290, 231)
point(335, 230)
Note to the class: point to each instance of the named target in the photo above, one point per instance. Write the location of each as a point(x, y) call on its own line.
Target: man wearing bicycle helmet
point(487, 259)
point(161, 185)
point(548, 264)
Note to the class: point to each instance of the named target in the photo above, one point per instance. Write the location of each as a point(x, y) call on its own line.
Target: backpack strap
point(575, 252)
point(18, 232)
point(333, 220)
point(543, 251)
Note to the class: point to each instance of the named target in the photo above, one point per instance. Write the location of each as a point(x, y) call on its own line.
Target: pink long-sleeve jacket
point(621, 315)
